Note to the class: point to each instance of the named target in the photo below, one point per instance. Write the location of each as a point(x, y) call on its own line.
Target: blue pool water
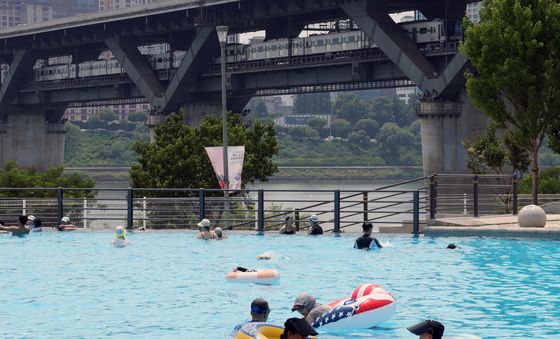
point(170, 285)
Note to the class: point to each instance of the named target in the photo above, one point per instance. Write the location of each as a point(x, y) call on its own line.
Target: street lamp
point(222, 37)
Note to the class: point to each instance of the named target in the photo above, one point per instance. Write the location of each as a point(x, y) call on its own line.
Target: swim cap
point(31, 217)
point(65, 220)
point(120, 232)
point(218, 230)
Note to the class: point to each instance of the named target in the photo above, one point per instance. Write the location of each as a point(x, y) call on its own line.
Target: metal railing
point(261, 210)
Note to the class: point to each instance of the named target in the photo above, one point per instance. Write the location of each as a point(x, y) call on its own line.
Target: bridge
point(30, 111)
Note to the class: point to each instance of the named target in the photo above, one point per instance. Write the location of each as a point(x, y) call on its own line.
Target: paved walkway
point(495, 225)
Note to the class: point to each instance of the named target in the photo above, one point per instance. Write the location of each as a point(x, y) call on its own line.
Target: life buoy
point(258, 277)
point(368, 306)
point(259, 331)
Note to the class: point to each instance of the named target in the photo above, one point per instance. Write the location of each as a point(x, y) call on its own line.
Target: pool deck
point(492, 225)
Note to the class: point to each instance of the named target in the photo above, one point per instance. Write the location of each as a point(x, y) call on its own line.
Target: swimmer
point(451, 246)
point(120, 237)
point(366, 241)
point(259, 313)
point(288, 227)
point(219, 233)
point(428, 329)
point(309, 308)
point(66, 225)
point(296, 328)
point(243, 269)
point(314, 227)
point(267, 255)
point(204, 230)
point(18, 230)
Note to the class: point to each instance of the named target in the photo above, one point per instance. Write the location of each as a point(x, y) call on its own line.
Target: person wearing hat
point(308, 307)
point(31, 222)
point(314, 227)
point(259, 313)
point(428, 329)
point(66, 225)
point(204, 230)
point(18, 230)
point(219, 233)
point(295, 328)
point(366, 241)
point(288, 227)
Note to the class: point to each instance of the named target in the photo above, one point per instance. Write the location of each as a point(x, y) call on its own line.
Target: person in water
point(120, 236)
point(295, 328)
point(20, 229)
point(288, 227)
point(204, 230)
point(314, 227)
point(366, 241)
point(308, 307)
point(219, 233)
point(451, 246)
point(259, 313)
point(66, 225)
point(428, 329)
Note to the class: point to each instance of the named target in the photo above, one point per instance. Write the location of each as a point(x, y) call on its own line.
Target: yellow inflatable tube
point(259, 331)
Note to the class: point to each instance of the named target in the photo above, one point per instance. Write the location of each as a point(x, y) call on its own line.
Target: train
point(420, 32)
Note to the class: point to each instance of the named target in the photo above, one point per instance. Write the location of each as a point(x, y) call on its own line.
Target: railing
point(262, 210)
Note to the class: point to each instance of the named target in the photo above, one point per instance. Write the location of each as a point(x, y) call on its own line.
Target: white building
point(473, 11)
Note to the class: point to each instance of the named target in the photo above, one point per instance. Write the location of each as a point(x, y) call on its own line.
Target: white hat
point(204, 223)
point(314, 218)
point(31, 217)
point(218, 230)
point(65, 219)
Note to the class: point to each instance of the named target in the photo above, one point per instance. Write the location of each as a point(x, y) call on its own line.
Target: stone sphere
point(531, 216)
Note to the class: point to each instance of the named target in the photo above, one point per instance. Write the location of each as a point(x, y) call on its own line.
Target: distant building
point(11, 13)
point(295, 120)
point(473, 11)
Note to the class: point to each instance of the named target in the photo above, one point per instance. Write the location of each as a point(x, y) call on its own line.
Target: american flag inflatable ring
point(368, 306)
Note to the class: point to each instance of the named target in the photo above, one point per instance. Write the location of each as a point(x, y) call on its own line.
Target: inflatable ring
point(120, 242)
point(259, 331)
point(368, 306)
point(259, 277)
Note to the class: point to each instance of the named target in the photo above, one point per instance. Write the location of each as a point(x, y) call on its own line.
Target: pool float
point(368, 306)
point(257, 277)
point(259, 331)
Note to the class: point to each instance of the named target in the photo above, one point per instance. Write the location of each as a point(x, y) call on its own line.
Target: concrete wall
point(31, 141)
point(444, 126)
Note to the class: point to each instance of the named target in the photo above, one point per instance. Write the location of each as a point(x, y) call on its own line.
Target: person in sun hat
point(428, 329)
point(66, 225)
point(259, 313)
point(204, 230)
point(295, 328)
point(309, 308)
point(314, 227)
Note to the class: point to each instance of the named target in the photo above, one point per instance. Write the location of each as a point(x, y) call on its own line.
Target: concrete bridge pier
point(30, 140)
point(444, 127)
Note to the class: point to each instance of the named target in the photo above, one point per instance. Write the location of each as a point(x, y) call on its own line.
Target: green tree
point(340, 127)
point(317, 123)
point(137, 117)
point(260, 108)
point(303, 132)
point(358, 139)
point(350, 108)
point(516, 51)
point(549, 182)
point(395, 141)
point(316, 103)
point(177, 158)
point(371, 127)
point(12, 176)
point(107, 115)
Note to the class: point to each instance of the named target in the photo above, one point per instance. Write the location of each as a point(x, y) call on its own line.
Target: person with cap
point(295, 328)
point(314, 227)
point(204, 230)
point(308, 307)
point(366, 241)
point(428, 329)
point(259, 313)
point(219, 233)
point(288, 227)
point(120, 237)
point(19, 230)
point(66, 225)
point(31, 222)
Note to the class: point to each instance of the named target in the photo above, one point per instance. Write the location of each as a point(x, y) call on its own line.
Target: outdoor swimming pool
point(170, 285)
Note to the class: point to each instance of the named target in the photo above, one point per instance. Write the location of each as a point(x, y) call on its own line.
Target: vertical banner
point(235, 164)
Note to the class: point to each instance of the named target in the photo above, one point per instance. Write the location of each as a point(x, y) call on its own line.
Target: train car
point(425, 31)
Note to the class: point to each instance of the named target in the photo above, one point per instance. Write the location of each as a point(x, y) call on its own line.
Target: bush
point(549, 182)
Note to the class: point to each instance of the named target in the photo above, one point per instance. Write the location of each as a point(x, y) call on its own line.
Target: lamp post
point(222, 37)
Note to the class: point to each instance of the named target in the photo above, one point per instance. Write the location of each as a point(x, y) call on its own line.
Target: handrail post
point(365, 199)
point(129, 208)
point(433, 196)
point(337, 211)
point(260, 213)
point(296, 217)
point(475, 196)
point(416, 212)
point(59, 205)
point(201, 204)
point(84, 213)
point(514, 202)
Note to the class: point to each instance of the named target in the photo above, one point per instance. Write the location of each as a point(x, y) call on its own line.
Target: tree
point(316, 103)
point(303, 132)
point(260, 108)
point(516, 51)
point(358, 139)
point(350, 108)
point(395, 141)
point(137, 117)
point(371, 127)
point(106, 115)
point(317, 123)
point(177, 159)
point(340, 127)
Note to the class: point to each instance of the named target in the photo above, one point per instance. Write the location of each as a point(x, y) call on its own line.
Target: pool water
point(171, 285)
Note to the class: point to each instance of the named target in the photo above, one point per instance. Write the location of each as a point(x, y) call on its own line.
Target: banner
point(235, 164)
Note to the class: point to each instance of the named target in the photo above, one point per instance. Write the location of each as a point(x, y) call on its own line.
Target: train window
point(351, 39)
point(320, 42)
point(423, 30)
point(335, 40)
point(260, 49)
point(273, 48)
point(159, 60)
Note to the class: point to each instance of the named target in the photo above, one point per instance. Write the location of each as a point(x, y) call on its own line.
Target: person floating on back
point(66, 225)
point(204, 230)
point(366, 241)
point(120, 237)
point(18, 230)
point(314, 227)
point(288, 227)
